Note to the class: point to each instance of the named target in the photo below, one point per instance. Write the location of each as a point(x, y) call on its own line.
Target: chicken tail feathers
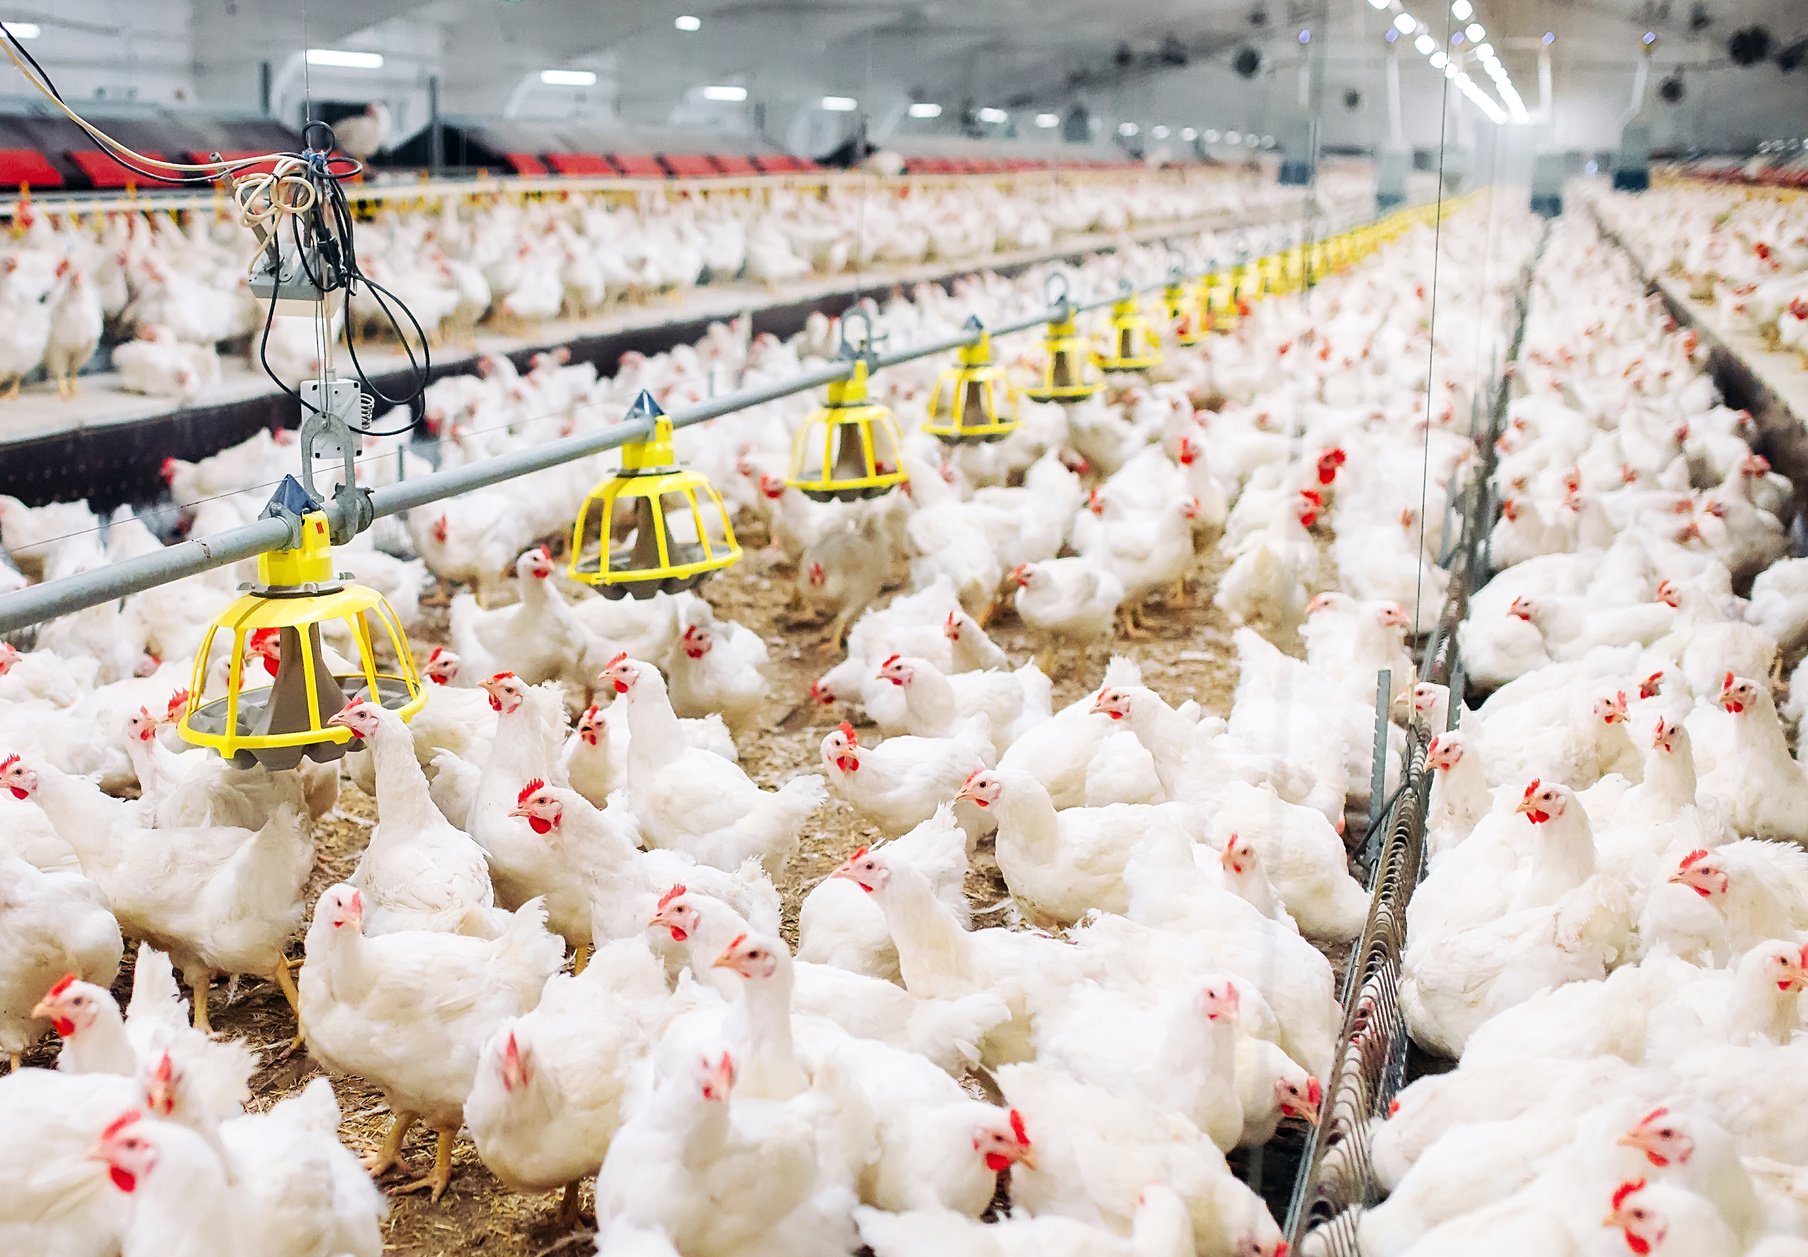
point(155, 996)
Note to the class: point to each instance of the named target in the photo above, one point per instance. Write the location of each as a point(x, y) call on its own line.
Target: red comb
point(1626, 1189)
point(733, 943)
point(9, 761)
point(970, 777)
point(435, 653)
point(62, 984)
point(536, 784)
point(857, 854)
point(350, 703)
point(621, 658)
point(665, 900)
point(847, 731)
point(1700, 853)
point(893, 659)
point(1727, 684)
point(1533, 788)
point(1018, 1130)
point(1653, 1115)
point(120, 1123)
point(165, 1070)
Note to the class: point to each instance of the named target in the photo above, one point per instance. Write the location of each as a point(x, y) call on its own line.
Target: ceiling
point(1137, 60)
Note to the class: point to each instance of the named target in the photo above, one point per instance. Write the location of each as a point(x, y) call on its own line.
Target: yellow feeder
point(1183, 311)
point(849, 448)
point(297, 592)
point(1069, 371)
point(973, 400)
point(677, 529)
point(1133, 346)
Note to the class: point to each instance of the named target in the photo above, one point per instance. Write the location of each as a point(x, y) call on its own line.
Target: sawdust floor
point(1187, 653)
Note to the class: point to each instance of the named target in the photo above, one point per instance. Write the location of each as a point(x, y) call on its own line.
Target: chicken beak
point(1629, 1140)
point(725, 961)
point(1026, 1157)
point(1523, 806)
point(520, 809)
point(45, 1008)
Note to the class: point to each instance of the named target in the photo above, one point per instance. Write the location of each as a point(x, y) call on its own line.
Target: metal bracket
point(870, 343)
point(287, 277)
point(332, 410)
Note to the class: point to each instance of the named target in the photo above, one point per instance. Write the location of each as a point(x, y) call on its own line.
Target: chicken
point(938, 704)
point(603, 864)
point(217, 899)
point(1163, 1228)
point(838, 924)
point(183, 1202)
point(539, 639)
point(75, 327)
point(1061, 865)
point(552, 1085)
point(1096, 1153)
point(51, 925)
point(696, 802)
point(718, 669)
point(1073, 597)
point(411, 1011)
point(899, 784)
point(420, 871)
point(1764, 791)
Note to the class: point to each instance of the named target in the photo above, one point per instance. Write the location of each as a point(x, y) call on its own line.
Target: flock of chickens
point(575, 936)
point(1743, 254)
point(169, 293)
point(1610, 932)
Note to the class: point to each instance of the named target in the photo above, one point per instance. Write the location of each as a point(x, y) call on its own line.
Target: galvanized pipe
point(190, 558)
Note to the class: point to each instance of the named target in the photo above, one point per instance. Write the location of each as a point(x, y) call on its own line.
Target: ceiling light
point(1212, 137)
point(1251, 139)
point(840, 104)
point(1550, 37)
point(1378, 4)
point(568, 78)
point(1475, 32)
point(1391, 35)
point(727, 92)
point(1048, 119)
point(989, 114)
point(1404, 23)
point(1439, 60)
point(1159, 132)
point(1649, 37)
point(1189, 134)
point(1450, 71)
point(1462, 10)
point(340, 59)
point(1126, 128)
point(925, 109)
point(1267, 141)
point(1233, 137)
point(1485, 52)
point(1426, 45)
point(687, 23)
point(22, 30)
point(1305, 35)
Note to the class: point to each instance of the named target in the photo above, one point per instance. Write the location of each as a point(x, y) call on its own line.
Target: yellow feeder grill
point(1182, 313)
point(678, 530)
point(848, 449)
point(973, 400)
point(1133, 346)
point(1069, 372)
point(280, 724)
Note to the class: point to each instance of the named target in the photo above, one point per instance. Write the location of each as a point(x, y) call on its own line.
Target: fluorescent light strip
point(1046, 120)
point(687, 23)
point(23, 30)
point(1427, 45)
point(339, 58)
point(989, 114)
point(840, 104)
point(728, 93)
point(925, 109)
point(568, 78)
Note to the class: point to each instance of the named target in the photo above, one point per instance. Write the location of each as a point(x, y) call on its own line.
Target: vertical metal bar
point(1384, 695)
point(436, 130)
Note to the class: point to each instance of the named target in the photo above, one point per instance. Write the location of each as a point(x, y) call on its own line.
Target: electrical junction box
point(296, 293)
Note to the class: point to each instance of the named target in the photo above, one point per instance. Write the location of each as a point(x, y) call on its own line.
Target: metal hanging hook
point(868, 347)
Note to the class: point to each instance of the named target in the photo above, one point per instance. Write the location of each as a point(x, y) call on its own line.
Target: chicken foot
point(200, 993)
point(580, 956)
point(1131, 629)
point(389, 1155)
point(434, 1182)
point(286, 984)
point(12, 389)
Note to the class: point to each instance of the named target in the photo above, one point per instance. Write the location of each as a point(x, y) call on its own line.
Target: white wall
point(105, 50)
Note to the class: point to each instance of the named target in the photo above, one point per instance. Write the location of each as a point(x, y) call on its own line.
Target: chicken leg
point(570, 1214)
point(580, 956)
point(390, 1154)
point(435, 1181)
point(200, 993)
point(286, 984)
point(1132, 630)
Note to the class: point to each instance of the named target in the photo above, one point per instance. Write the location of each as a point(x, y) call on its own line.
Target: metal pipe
point(190, 558)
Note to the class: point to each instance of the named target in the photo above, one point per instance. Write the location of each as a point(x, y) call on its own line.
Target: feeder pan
point(974, 399)
point(1182, 313)
point(849, 448)
point(1070, 371)
point(1133, 346)
point(677, 528)
point(280, 724)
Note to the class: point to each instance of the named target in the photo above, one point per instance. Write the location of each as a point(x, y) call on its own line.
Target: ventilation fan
point(1791, 57)
point(1671, 90)
point(1699, 19)
point(1352, 99)
point(1749, 46)
point(1247, 62)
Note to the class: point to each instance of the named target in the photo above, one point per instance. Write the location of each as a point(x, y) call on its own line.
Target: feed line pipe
point(50, 599)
